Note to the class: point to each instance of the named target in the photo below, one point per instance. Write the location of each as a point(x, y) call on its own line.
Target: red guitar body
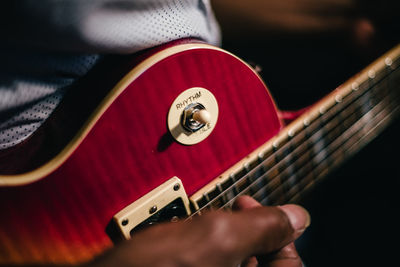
point(127, 151)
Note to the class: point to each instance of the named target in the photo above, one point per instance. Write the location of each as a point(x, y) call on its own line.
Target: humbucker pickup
point(168, 202)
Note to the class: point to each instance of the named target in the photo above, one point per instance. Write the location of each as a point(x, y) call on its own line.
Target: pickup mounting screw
point(177, 187)
point(125, 222)
point(153, 209)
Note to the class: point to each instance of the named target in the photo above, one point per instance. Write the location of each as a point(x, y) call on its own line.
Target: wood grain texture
point(62, 218)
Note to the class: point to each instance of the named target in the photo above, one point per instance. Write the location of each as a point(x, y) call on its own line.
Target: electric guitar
point(166, 135)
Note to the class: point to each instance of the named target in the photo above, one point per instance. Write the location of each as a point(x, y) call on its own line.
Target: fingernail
point(299, 218)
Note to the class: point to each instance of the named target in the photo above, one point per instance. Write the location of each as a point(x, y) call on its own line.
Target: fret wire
point(315, 135)
point(314, 124)
point(224, 197)
point(268, 186)
point(374, 131)
point(358, 136)
point(307, 167)
point(311, 182)
point(298, 134)
point(325, 170)
point(315, 144)
point(366, 131)
point(350, 131)
point(329, 115)
point(334, 145)
point(290, 159)
point(225, 191)
point(267, 173)
point(304, 130)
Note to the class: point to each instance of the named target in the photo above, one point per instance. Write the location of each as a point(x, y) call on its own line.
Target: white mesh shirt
point(46, 47)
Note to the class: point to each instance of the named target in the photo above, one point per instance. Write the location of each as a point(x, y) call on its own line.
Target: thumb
point(298, 217)
point(267, 229)
point(286, 256)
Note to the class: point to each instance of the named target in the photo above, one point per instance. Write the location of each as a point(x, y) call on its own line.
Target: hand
point(289, 15)
point(218, 239)
point(286, 256)
point(360, 20)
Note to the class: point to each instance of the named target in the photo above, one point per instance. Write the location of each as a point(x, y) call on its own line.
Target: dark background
point(354, 211)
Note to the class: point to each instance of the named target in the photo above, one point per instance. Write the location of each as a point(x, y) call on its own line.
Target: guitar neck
point(332, 131)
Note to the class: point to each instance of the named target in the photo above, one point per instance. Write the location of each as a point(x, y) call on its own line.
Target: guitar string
point(286, 178)
point(363, 140)
point(360, 136)
point(261, 193)
point(242, 179)
point(271, 158)
point(223, 193)
point(346, 138)
point(351, 100)
point(278, 165)
point(257, 181)
point(292, 196)
point(355, 139)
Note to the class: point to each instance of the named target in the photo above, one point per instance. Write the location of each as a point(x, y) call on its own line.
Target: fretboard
point(316, 143)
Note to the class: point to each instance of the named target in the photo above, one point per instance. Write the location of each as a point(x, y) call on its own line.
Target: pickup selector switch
point(202, 116)
point(193, 116)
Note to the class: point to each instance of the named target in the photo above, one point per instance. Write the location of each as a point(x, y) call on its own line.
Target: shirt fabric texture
point(46, 47)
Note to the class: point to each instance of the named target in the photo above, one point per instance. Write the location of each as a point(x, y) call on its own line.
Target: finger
point(299, 218)
point(250, 262)
point(285, 257)
point(264, 230)
point(214, 239)
point(297, 215)
point(218, 238)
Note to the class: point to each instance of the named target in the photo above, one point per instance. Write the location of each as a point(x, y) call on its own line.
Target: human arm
point(360, 20)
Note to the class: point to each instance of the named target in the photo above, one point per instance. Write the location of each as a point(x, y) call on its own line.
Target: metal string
point(344, 104)
point(352, 142)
